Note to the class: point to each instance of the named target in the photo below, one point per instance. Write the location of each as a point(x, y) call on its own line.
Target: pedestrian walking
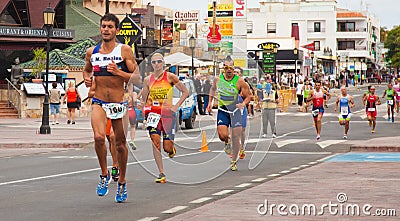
point(269, 104)
point(73, 101)
point(55, 100)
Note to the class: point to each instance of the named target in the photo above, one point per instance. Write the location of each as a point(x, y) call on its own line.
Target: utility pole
point(107, 6)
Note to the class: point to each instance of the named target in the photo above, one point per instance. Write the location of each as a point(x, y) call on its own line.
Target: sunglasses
point(157, 61)
point(227, 67)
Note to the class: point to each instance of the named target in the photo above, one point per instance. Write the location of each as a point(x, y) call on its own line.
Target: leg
point(347, 126)
point(264, 120)
point(223, 133)
point(272, 120)
point(120, 144)
point(113, 149)
point(73, 114)
point(236, 142)
point(156, 142)
point(99, 130)
point(319, 124)
point(69, 114)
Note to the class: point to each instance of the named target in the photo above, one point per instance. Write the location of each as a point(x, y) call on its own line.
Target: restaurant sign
point(36, 32)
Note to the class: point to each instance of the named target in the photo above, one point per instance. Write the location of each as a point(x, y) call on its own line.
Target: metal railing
point(14, 101)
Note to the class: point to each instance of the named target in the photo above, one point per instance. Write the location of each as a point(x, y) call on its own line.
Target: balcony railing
point(353, 30)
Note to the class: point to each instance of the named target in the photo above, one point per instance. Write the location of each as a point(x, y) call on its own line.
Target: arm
point(213, 91)
point(130, 62)
point(337, 103)
point(145, 91)
point(245, 89)
point(351, 101)
point(310, 96)
point(328, 95)
point(88, 69)
point(65, 96)
point(180, 86)
point(378, 101)
point(384, 94)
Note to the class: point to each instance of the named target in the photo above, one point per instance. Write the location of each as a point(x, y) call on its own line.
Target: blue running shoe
point(122, 194)
point(102, 188)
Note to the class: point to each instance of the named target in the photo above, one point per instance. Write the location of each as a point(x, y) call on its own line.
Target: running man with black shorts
point(317, 97)
point(370, 101)
point(391, 96)
point(113, 65)
point(227, 89)
point(161, 116)
point(345, 103)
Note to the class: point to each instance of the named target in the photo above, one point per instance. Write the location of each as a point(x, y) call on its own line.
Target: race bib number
point(315, 112)
point(390, 102)
point(114, 110)
point(344, 110)
point(153, 119)
point(371, 109)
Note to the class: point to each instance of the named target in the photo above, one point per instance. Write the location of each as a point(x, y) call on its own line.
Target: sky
point(386, 10)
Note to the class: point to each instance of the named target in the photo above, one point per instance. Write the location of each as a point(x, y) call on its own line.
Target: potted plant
point(39, 57)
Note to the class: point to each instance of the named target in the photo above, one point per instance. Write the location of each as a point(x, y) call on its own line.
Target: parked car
point(187, 111)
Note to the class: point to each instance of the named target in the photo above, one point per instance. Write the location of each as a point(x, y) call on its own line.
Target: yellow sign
point(240, 62)
point(221, 7)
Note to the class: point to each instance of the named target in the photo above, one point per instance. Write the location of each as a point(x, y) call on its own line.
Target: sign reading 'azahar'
point(186, 16)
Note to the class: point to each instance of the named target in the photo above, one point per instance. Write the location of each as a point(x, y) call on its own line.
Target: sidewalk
point(345, 184)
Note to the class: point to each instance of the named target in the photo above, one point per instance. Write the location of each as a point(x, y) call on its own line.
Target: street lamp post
point(347, 69)
point(361, 70)
point(48, 16)
point(312, 63)
point(192, 45)
point(338, 72)
point(295, 52)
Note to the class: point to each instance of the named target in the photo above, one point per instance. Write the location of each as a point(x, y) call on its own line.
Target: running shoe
point(122, 194)
point(132, 145)
point(68, 121)
point(388, 119)
point(264, 135)
point(102, 188)
point(115, 173)
point(233, 166)
point(372, 131)
point(345, 137)
point(318, 137)
point(228, 148)
point(171, 155)
point(242, 154)
point(273, 135)
point(392, 119)
point(161, 178)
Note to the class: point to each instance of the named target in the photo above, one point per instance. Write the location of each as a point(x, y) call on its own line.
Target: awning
point(325, 57)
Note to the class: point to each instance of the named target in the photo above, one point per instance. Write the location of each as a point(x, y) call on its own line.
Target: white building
point(332, 31)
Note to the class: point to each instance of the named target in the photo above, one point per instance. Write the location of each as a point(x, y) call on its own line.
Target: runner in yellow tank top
point(157, 92)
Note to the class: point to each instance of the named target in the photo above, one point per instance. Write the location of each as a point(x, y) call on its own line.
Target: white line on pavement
point(201, 200)
point(174, 210)
point(243, 185)
point(223, 192)
point(148, 219)
point(294, 168)
point(274, 175)
point(279, 152)
point(285, 171)
point(81, 171)
point(259, 179)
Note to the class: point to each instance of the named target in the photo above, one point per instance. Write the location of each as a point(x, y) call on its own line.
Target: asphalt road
point(62, 185)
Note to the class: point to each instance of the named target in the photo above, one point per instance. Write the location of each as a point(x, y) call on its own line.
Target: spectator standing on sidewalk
point(55, 100)
point(299, 93)
point(197, 86)
point(206, 90)
point(72, 102)
point(270, 101)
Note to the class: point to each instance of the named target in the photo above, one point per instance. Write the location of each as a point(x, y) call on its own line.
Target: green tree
point(393, 44)
point(39, 57)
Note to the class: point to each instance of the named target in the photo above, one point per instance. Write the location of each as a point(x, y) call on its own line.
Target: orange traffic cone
point(204, 144)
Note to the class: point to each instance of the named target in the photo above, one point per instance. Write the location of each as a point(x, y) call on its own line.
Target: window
point(249, 27)
point(317, 26)
point(346, 26)
point(317, 45)
point(271, 27)
point(344, 45)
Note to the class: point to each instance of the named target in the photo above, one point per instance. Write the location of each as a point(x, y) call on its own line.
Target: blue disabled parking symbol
point(366, 157)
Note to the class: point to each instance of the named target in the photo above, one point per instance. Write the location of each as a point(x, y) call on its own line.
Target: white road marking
point(298, 131)
point(148, 219)
point(259, 179)
point(223, 192)
point(201, 200)
point(174, 210)
point(312, 163)
point(294, 168)
point(285, 171)
point(279, 152)
point(82, 171)
point(274, 175)
point(327, 143)
point(304, 165)
point(288, 141)
point(243, 185)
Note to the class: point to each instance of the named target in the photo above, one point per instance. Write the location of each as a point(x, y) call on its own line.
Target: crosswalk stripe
point(327, 143)
point(288, 141)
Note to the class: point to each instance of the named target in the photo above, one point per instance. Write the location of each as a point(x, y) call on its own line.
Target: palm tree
point(40, 59)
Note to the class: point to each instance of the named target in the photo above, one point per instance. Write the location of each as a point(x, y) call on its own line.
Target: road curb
point(356, 148)
point(44, 145)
